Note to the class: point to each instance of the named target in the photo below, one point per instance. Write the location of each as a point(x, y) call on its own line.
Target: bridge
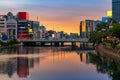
point(56, 42)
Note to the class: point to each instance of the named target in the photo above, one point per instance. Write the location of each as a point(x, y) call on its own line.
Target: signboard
point(4, 37)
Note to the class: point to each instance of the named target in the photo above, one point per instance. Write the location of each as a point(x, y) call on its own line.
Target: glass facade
point(116, 10)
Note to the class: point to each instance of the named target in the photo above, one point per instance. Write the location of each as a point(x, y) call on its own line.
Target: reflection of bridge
point(55, 42)
point(86, 51)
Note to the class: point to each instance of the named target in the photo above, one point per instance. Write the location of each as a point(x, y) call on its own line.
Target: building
point(60, 35)
point(20, 27)
point(51, 34)
point(74, 35)
point(2, 24)
point(11, 26)
point(23, 25)
point(105, 19)
point(116, 10)
point(82, 29)
point(36, 29)
point(42, 30)
point(95, 23)
point(23, 16)
point(87, 27)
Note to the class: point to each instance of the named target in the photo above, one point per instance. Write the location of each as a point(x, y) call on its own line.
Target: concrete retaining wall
point(108, 52)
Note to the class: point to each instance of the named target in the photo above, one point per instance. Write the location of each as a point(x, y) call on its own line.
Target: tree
point(115, 31)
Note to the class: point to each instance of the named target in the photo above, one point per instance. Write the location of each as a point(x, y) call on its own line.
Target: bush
point(118, 45)
point(11, 42)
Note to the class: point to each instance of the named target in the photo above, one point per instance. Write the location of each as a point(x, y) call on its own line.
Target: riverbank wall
point(108, 52)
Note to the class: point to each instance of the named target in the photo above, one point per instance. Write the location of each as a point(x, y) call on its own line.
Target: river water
point(55, 63)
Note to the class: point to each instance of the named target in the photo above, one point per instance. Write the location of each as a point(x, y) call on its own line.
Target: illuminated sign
point(30, 30)
point(109, 13)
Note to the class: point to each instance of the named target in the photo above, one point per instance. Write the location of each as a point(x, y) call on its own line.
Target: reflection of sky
point(60, 65)
point(66, 68)
point(58, 13)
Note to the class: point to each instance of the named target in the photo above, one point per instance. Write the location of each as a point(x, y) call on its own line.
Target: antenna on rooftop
point(37, 18)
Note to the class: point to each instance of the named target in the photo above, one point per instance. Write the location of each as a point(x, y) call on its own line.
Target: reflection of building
point(84, 57)
point(19, 65)
point(8, 67)
point(22, 67)
point(116, 10)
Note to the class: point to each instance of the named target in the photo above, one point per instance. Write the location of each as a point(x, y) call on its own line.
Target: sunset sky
point(58, 14)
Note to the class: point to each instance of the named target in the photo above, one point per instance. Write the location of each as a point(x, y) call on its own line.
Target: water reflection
point(57, 64)
point(22, 67)
point(106, 65)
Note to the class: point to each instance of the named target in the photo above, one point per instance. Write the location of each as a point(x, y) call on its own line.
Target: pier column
point(56, 43)
point(51, 44)
point(42, 44)
point(73, 44)
point(20, 43)
point(62, 43)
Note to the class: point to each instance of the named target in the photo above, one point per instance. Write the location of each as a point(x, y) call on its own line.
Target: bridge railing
point(77, 39)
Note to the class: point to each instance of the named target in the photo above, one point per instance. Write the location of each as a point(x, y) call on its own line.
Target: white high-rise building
point(11, 26)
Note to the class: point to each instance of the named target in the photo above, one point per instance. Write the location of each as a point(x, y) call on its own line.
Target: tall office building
point(116, 10)
point(87, 27)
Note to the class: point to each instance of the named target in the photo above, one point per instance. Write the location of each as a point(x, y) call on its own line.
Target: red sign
point(23, 16)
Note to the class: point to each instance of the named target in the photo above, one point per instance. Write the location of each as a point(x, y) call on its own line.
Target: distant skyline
point(58, 14)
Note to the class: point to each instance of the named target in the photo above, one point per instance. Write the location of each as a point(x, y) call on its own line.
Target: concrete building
point(23, 25)
point(20, 27)
point(36, 29)
point(116, 10)
point(74, 35)
point(11, 26)
point(51, 34)
point(2, 24)
point(42, 30)
point(60, 35)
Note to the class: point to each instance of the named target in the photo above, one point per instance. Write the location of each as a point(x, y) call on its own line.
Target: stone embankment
point(108, 52)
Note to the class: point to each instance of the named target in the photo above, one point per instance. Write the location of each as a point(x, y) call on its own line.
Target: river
point(55, 63)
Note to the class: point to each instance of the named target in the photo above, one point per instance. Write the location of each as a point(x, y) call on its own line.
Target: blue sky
point(58, 13)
